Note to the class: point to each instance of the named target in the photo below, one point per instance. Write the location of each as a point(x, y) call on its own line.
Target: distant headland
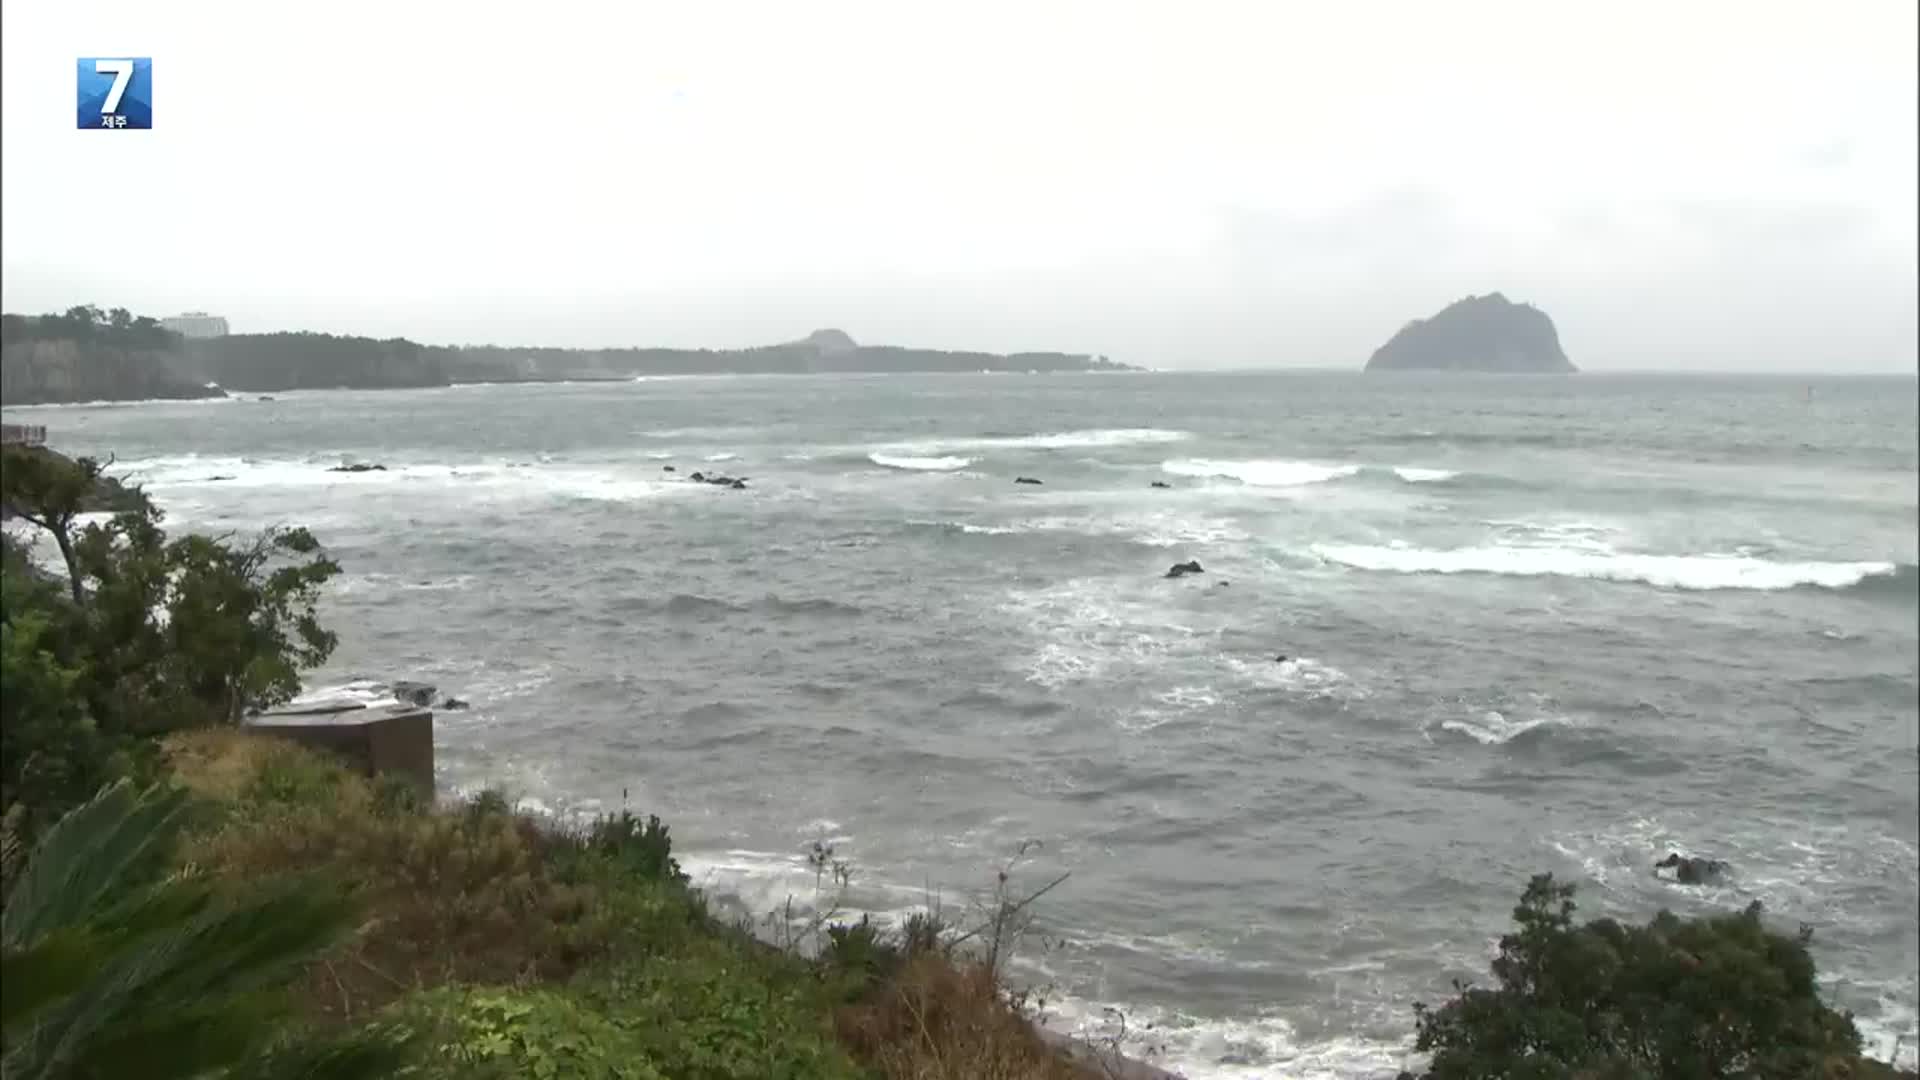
point(86, 354)
point(1481, 333)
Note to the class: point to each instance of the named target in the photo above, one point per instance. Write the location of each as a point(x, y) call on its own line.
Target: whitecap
point(1494, 728)
point(1297, 674)
point(928, 464)
point(1063, 440)
point(1261, 472)
point(1424, 476)
point(1692, 572)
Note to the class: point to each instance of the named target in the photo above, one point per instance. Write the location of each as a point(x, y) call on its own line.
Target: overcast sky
point(1700, 185)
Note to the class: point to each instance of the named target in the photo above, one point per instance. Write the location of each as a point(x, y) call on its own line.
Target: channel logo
point(116, 92)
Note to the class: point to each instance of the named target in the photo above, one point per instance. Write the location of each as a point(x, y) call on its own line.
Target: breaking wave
point(930, 464)
point(1698, 572)
point(1261, 472)
point(1062, 440)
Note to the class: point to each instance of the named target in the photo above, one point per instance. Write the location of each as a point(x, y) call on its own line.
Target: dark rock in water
point(738, 485)
point(264, 397)
point(453, 703)
point(1281, 659)
point(668, 468)
point(211, 479)
point(1688, 870)
point(698, 478)
point(358, 468)
point(415, 693)
point(1161, 484)
point(1480, 333)
point(1025, 480)
point(1192, 566)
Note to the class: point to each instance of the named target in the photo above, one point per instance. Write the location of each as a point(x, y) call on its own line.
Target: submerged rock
point(356, 468)
point(453, 703)
point(1025, 480)
point(414, 693)
point(1182, 569)
point(668, 468)
point(1161, 484)
point(1689, 870)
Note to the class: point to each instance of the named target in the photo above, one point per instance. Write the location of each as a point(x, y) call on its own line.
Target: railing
point(23, 434)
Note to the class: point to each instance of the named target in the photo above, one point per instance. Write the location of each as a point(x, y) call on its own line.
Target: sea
point(1452, 631)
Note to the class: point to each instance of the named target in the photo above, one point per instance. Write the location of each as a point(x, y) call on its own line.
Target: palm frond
point(89, 858)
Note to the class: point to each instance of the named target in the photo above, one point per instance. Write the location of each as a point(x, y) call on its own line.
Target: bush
point(1687, 999)
point(725, 1007)
point(944, 1019)
point(504, 1033)
point(474, 895)
point(116, 968)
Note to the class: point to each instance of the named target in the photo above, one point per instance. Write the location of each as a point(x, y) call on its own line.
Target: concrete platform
point(382, 739)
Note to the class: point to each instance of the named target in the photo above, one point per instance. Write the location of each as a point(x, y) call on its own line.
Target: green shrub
point(724, 1007)
point(1685, 999)
point(290, 777)
point(545, 1034)
point(115, 969)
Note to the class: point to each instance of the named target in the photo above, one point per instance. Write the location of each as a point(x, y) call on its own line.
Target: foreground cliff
point(1481, 333)
point(87, 355)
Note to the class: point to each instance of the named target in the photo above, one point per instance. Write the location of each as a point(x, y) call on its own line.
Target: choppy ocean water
point(1532, 624)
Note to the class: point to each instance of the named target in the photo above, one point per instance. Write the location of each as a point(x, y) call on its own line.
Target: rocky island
point(1481, 333)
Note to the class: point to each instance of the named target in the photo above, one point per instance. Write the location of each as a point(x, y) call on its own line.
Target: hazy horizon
point(1717, 187)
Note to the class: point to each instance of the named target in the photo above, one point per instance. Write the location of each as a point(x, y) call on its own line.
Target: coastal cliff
point(1480, 333)
point(85, 355)
point(821, 352)
point(88, 355)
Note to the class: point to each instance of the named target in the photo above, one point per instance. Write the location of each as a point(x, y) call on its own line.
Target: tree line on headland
point(86, 354)
point(184, 899)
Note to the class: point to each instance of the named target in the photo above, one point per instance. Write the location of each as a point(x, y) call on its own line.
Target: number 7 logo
point(122, 72)
point(116, 92)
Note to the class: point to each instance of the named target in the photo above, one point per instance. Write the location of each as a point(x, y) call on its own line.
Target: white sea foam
point(1063, 440)
point(1261, 472)
point(1297, 674)
point(927, 464)
point(1424, 476)
point(213, 474)
point(1156, 528)
point(1241, 1048)
point(1695, 572)
point(1494, 728)
point(725, 455)
point(1087, 627)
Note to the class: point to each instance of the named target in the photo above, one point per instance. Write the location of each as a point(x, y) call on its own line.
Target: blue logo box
point(116, 92)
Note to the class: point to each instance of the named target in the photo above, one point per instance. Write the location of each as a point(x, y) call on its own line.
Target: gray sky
point(1703, 185)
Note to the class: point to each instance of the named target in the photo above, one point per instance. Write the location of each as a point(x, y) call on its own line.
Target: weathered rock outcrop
point(57, 371)
point(1481, 333)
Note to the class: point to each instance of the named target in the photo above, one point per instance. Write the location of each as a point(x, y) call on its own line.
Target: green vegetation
point(85, 354)
point(1676, 999)
point(117, 965)
point(119, 328)
point(184, 898)
point(140, 636)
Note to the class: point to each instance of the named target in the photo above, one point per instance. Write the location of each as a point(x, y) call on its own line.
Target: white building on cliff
point(196, 324)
